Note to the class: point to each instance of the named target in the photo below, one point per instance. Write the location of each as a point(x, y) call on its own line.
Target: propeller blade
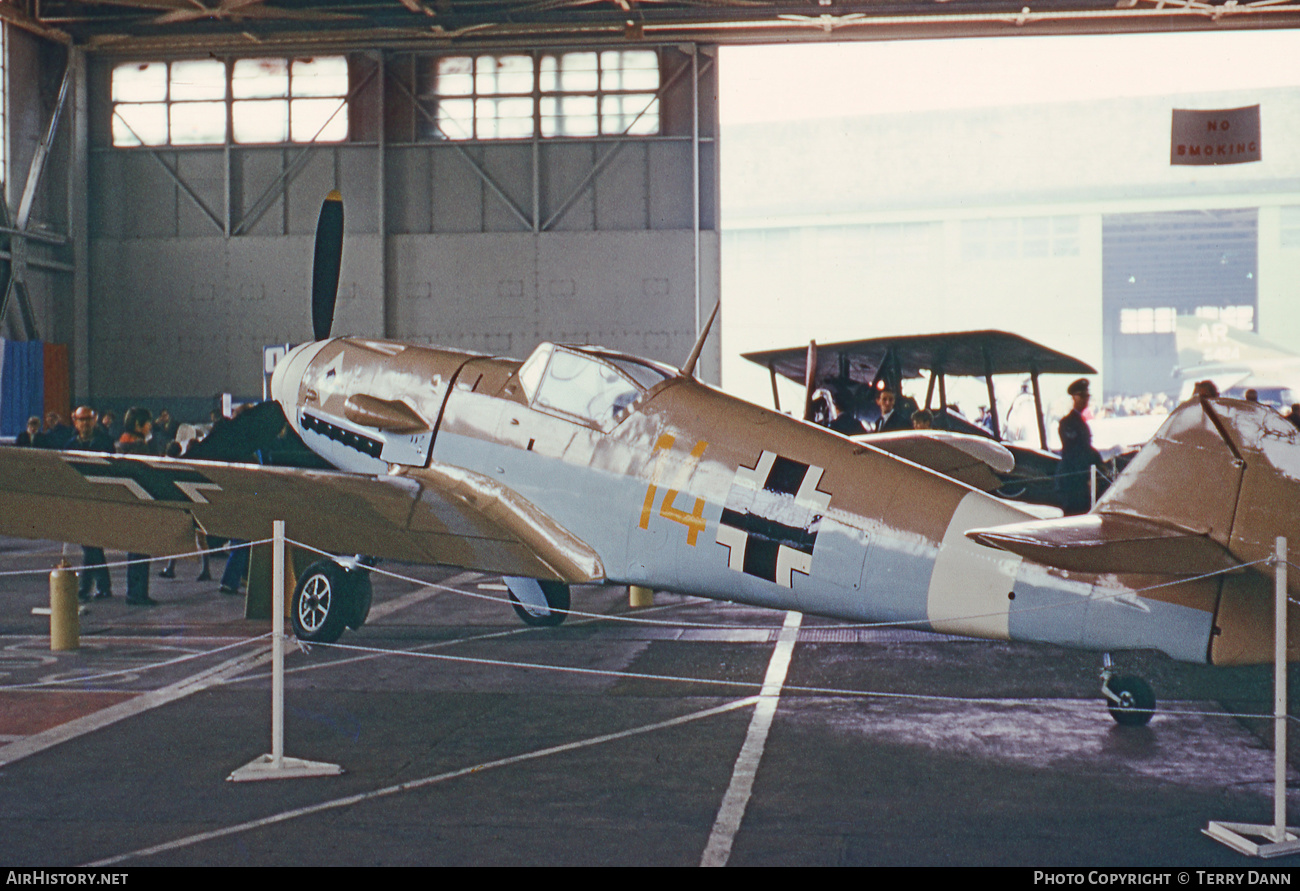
point(325, 265)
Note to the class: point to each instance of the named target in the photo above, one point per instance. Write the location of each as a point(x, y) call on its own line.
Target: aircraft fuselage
point(677, 486)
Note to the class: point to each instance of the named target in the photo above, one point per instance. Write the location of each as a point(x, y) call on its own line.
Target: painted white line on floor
point(362, 797)
point(732, 811)
point(388, 607)
point(39, 742)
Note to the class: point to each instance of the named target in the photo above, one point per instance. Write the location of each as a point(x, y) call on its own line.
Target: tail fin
point(1213, 489)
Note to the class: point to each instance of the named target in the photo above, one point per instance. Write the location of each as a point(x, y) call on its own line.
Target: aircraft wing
point(155, 505)
point(973, 460)
point(963, 353)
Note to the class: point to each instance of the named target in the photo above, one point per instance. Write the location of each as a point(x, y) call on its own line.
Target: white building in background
point(1065, 223)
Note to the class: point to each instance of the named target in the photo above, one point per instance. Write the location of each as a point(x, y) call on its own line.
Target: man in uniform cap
point(1077, 454)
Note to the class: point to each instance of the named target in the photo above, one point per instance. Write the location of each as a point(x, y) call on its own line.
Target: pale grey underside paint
point(885, 579)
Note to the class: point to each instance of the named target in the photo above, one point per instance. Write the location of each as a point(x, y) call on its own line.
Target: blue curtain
point(22, 384)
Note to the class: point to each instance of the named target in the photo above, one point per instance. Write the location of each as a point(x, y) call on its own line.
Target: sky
point(800, 81)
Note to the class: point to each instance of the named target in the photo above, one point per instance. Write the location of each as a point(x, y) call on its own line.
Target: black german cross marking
point(771, 519)
point(146, 481)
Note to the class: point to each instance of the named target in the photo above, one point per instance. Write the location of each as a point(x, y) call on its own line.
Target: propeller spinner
point(325, 265)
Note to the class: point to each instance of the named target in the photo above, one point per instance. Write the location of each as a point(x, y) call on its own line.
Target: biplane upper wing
point(964, 353)
point(155, 505)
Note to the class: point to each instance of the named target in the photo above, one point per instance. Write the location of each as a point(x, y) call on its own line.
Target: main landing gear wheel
point(328, 598)
point(1130, 700)
point(557, 602)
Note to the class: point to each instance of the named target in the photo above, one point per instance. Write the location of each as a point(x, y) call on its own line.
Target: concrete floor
point(468, 739)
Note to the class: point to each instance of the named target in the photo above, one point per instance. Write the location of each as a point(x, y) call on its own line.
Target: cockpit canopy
point(586, 384)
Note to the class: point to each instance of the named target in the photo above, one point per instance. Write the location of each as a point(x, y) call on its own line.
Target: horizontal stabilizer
point(1104, 543)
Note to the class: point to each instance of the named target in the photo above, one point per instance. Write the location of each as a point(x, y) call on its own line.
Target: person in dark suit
point(56, 432)
point(1073, 486)
point(32, 437)
point(90, 438)
point(890, 418)
point(136, 429)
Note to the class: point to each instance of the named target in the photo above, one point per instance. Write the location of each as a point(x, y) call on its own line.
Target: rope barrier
point(817, 690)
point(189, 657)
point(745, 685)
point(921, 624)
point(150, 559)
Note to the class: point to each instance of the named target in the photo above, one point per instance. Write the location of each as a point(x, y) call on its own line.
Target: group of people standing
point(140, 434)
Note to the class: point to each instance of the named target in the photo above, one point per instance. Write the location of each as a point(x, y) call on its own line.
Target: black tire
point(557, 598)
point(360, 594)
point(1137, 702)
point(320, 608)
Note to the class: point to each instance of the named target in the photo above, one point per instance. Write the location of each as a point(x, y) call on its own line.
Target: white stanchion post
point(276, 766)
point(1278, 838)
point(277, 644)
point(1279, 696)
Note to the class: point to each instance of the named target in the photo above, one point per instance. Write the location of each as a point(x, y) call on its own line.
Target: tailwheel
point(1131, 700)
point(328, 598)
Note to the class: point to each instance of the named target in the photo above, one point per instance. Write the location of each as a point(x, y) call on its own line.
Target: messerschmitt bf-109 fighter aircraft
point(582, 465)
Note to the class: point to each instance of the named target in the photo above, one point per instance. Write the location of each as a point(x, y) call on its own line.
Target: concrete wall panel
point(356, 173)
point(410, 205)
point(565, 166)
point(506, 293)
point(189, 318)
point(204, 172)
point(457, 195)
point(511, 167)
point(259, 170)
point(309, 188)
point(620, 192)
point(671, 199)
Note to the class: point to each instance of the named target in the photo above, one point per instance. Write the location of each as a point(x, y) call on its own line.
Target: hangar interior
point(512, 172)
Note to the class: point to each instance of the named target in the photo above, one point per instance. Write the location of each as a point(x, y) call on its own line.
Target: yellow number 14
point(693, 521)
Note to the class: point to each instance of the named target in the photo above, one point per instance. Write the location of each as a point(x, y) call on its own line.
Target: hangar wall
point(199, 256)
point(35, 72)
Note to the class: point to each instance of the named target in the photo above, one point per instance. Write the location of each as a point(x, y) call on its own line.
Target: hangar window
point(264, 100)
point(290, 100)
point(519, 96)
point(1015, 238)
point(483, 97)
point(169, 103)
point(1240, 317)
point(1147, 320)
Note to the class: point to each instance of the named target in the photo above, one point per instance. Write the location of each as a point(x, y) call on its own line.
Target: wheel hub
point(314, 605)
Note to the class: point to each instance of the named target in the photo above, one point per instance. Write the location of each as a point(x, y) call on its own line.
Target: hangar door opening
point(894, 188)
point(1164, 275)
